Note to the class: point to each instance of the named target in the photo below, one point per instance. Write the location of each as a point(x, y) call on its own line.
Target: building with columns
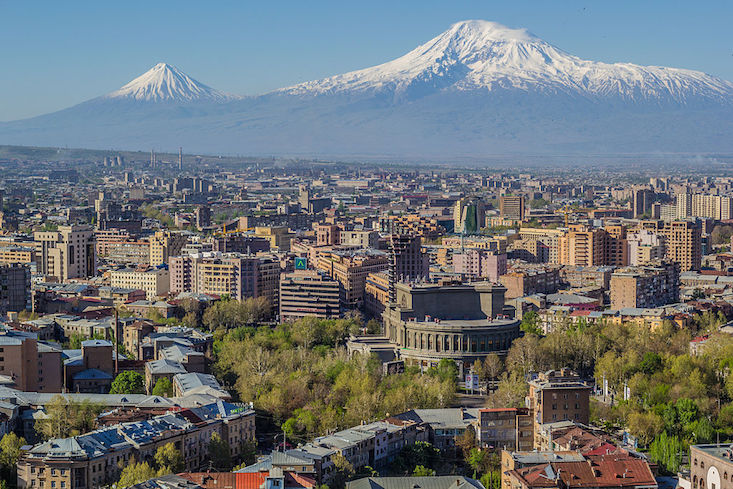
point(430, 322)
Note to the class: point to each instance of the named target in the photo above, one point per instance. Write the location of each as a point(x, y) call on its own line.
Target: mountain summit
point(164, 82)
point(483, 55)
point(479, 88)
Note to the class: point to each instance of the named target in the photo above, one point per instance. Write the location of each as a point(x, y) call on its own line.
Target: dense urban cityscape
point(185, 321)
point(366, 245)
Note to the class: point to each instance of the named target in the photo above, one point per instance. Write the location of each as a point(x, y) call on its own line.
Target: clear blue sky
point(55, 54)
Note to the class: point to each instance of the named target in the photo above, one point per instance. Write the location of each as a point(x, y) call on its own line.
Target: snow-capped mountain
point(482, 55)
point(477, 89)
point(164, 82)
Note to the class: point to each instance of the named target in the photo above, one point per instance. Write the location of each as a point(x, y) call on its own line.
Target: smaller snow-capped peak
point(166, 83)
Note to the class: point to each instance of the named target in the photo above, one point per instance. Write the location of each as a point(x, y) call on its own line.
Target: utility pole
point(117, 343)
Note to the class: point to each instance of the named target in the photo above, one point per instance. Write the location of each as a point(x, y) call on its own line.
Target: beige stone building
point(67, 253)
point(165, 244)
point(154, 281)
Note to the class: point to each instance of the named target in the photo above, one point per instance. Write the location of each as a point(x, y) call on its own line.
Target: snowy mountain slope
point(164, 82)
point(479, 88)
point(477, 54)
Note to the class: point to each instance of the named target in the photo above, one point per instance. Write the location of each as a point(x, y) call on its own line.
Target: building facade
point(309, 293)
point(67, 253)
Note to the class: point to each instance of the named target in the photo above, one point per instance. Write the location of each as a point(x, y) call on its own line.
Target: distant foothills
point(477, 89)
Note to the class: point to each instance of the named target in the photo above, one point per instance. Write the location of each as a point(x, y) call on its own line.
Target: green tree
point(10, 446)
point(419, 453)
point(343, 471)
point(422, 471)
point(248, 451)
point(10, 452)
point(168, 459)
point(373, 327)
point(219, 453)
point(491, 479)
point(525, 355)
point(475, 460)
point(511, 391)
point(163, 387)
point(135, 473)
point(58, 420)
point(645, 426)
point(490, 367)
point(667, 451)
point(128, 382)
point(531, 323)
point(445, 370)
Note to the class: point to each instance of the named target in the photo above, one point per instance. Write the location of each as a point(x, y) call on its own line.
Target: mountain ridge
point(491, 56)
point(477, 88)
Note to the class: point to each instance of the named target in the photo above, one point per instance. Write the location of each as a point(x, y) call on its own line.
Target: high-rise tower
point(180, 159)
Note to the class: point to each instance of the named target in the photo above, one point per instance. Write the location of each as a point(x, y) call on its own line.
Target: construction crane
point(567, 210)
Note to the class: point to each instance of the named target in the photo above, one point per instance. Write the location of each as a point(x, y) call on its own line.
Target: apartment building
point(15, 287)
point(67, 253)
point(648, 286)
point(407, 261)
point(376, 294)
point(165, 244)
point(278, 236)
point(682, 240)
point(469, 215)
point(17, 254)
point(240, 243)
point(512, 207)
point(496, 244)
point(127, 252)
point(103, 237)
point(309, 293)
point(350, 269)
point(363, 238)
point(27, 365)
point(480, 264)
point(530, 279)
point(95, 459)
point(234, 274)
point(645, 247)
point(717, 207)
point(546, 246)
point(557, 395)
point(505, 429)
point(598, 472)
point(154, 281)
point(425, 228)
point(328, 234)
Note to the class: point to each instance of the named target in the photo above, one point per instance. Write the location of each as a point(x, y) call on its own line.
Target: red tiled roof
point(250, 480)
point(598, 472)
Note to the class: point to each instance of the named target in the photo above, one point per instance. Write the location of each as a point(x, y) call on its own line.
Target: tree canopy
point(128, 382)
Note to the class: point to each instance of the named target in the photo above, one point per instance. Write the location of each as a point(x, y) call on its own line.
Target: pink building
point(480, 264)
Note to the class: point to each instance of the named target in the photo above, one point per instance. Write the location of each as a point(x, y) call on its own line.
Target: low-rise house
point(158, 369)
